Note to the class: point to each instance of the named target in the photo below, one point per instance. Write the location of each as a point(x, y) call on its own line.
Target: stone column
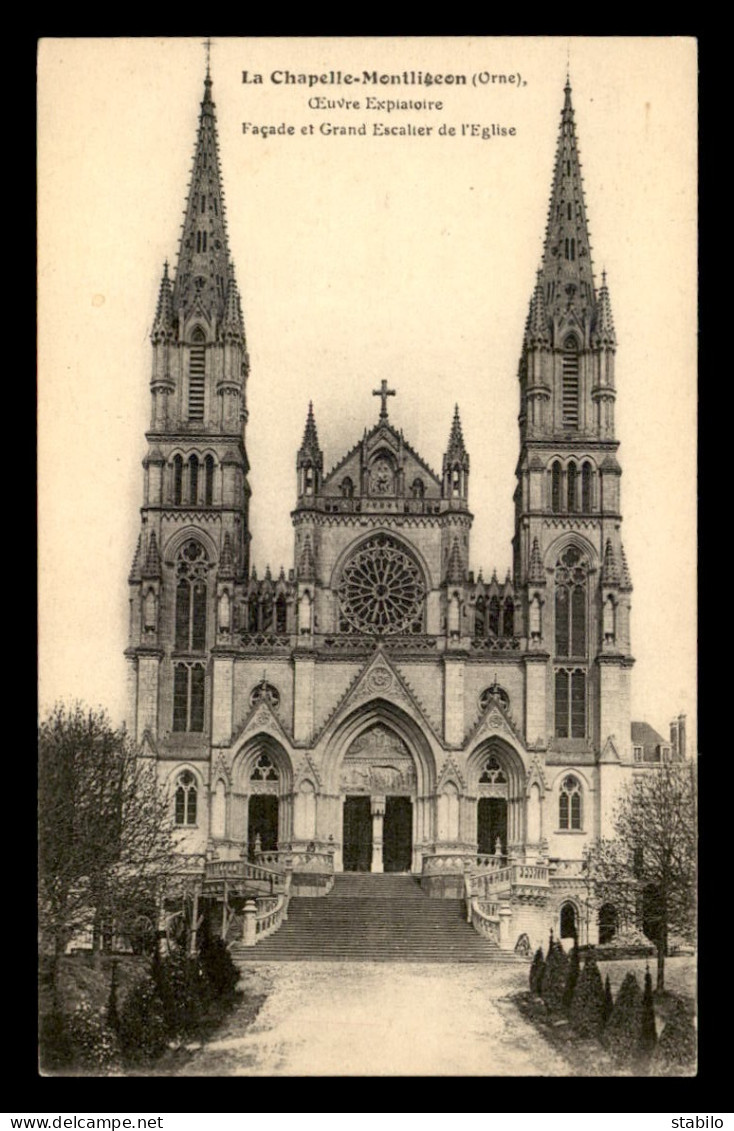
point(378, 819)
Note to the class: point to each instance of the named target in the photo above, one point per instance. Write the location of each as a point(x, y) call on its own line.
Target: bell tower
point(568, 554)
point(194, 538)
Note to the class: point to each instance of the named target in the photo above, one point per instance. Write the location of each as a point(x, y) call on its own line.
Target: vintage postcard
point(367, 485)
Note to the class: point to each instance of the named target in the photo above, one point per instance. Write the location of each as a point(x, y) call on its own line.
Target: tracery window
point(494, 616)
point(264, 770)
point(281, 615)
point(185, 799)
point(569, 803)
point(570, 703)
point(418, 489)
point(571, 485)
point(188, 697)
point(193, 480)
point(381, 590)
point(570, 604)
point(264, 692)
point(494, 691)
point(191, 572)
point(347, 488)
point(492, 773)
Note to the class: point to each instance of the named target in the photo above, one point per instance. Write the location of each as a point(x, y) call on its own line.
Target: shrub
point(622, 1032)
point(676, 1049)
point(218, 968)
point(537, 969)
point(587, 1007)
point(142, 1027)
point(94, 1044)
point(648, 1034)
point(554, 978)
point(180, 986)
point(608, 1000)
point(572, 976)
point(55, 1045)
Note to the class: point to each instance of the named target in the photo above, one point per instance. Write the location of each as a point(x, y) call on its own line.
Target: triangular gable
point(384, 433)
point(495, 720)
point(148, 747)
point(220, 770)
point(451, 772)
point(609, 753)
point(307, 771)
point(536, 776)
point(262, 717)
point(379, 679)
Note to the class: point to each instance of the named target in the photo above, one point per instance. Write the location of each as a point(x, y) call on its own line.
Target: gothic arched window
point(570, 603)
point(191, 596)
point(494, 616)
point(196, 375)
point(570, 384)
point(347, 488)
point(556, 488)
point(193, 480)
point(253, 614)
point(508, 617)
point(586, 481)
point(281, 614)
point(569, 803)
point(480, 618)
point(570, 703)
point(571, 486)
point(208, 481)
point(177, 480)
point(188, 697)
point(185, 799)
point(418, 489)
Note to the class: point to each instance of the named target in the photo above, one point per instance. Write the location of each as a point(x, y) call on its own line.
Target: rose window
point(381, 590)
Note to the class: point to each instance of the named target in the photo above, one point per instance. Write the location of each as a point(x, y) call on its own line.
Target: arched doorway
point(569, 921)
point(262, 802)
point(378, 785)
point(497, 790)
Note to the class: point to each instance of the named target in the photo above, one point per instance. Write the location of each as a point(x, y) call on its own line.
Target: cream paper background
point(360, 258)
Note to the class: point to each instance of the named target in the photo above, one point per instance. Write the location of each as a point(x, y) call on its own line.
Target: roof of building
point(647, 737)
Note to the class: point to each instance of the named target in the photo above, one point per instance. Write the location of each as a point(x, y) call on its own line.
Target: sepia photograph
point(367, 556)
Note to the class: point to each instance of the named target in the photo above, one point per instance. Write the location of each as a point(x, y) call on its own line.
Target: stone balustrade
point(263, 917)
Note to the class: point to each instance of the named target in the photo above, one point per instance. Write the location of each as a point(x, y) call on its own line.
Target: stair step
point(369, 917)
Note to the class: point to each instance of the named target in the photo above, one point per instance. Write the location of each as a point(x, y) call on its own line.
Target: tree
point(105, 835)
point(648, 869)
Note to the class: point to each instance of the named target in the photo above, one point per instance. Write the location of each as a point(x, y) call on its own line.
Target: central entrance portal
point(357, 834)
point(397, 850)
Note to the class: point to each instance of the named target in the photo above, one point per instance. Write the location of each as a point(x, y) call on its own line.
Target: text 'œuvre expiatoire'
point(379, 108)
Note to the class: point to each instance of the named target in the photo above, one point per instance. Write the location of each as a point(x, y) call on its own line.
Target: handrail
point(485, 919)
point(241, 869)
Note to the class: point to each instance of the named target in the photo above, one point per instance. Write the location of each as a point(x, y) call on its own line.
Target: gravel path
point(380, 1019)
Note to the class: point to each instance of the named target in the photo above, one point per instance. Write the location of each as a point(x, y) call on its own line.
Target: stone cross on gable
point(383, 392)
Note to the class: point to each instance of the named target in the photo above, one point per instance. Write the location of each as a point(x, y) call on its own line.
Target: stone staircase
point(369, 917)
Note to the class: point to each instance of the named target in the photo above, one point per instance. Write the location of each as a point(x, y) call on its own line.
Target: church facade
point(376, 706)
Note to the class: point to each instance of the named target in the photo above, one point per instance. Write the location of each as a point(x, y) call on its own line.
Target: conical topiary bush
point(622, 1032)
point(648, 1033)
point(537, 969)
point(554, 978)
point(587, 1007)
point(676, 1049)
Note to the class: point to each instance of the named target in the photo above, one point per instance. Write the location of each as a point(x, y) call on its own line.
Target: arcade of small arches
point(376, 804)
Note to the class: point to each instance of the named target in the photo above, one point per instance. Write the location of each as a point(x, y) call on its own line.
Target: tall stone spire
point(310, 444)
point(202, 272)
point(567, 275)
point(163, 322)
